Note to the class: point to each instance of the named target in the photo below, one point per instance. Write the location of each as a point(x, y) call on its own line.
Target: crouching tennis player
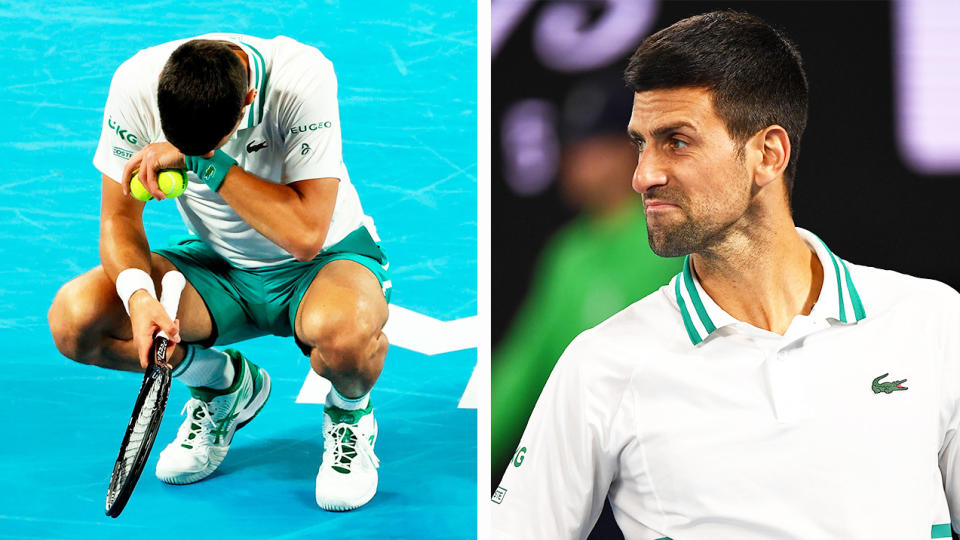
point(280, 246)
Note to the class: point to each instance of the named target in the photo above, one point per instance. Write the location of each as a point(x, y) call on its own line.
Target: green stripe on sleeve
point(695, 297)
point(687, 321)
point(941, 530)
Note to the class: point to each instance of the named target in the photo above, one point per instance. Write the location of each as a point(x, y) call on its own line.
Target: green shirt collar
point(838, 298)
point(258, 80)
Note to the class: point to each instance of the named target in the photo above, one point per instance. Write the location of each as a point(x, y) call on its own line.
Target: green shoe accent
point(239, 362)
point(257, 377)
point(197, 417)
point(341, 416)
point(257, 388)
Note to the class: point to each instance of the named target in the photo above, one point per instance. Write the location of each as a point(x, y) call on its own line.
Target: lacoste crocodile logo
point(255, 147)
point(888, 387)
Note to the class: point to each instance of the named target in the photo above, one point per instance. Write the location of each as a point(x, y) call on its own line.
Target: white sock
point(209, 368)
point(336, 399)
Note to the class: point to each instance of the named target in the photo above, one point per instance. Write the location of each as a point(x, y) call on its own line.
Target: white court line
point(416, 332)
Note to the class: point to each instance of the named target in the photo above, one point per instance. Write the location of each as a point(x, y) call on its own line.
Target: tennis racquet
point(148, 409)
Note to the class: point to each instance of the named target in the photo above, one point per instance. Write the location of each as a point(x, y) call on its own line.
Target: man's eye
point(678, 144)
point(640, 145)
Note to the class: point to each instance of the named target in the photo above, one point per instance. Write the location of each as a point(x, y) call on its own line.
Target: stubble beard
point(678, 239)
point(696, 234)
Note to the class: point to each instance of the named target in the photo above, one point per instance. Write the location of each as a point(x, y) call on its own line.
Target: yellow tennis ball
point(137, 191)
point(172, 182)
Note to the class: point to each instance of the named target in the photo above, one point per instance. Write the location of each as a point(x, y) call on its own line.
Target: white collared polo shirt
point(699, 426)
point(290, 132)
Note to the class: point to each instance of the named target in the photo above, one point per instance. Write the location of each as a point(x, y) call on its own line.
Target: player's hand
point(148, 317)
point(150, 160)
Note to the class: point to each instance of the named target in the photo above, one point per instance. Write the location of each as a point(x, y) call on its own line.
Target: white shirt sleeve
point(950, 408)
point(126, 120)
point(950, 470)
point(311, 123)
point(559, 477)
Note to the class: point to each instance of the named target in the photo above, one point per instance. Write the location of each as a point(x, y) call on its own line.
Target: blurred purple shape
point(927, 58)
point(529, 145)
point(566, 40)
point(504, 16)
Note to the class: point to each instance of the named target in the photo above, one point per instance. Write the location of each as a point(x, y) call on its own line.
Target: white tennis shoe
point(213, 416)
point(348, 472)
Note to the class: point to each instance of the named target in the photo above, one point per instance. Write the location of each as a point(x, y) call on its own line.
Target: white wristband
point(132, 280)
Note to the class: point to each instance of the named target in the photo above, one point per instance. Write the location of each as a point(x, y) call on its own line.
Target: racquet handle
point(171, 286)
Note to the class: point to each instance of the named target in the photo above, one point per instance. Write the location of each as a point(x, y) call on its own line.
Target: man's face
point(226, 138)
point(691, 174)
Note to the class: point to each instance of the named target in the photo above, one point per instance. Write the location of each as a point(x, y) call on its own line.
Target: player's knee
point(347, 344)
point(72, 322)
point(343, 340)
point(62, 320)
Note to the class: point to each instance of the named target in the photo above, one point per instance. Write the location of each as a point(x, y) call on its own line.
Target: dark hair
point(201, 95)
point(753, 71)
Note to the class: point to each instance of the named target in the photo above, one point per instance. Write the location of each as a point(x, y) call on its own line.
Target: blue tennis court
point(407, 89)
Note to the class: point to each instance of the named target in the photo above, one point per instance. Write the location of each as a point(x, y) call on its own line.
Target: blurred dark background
point(879, 166)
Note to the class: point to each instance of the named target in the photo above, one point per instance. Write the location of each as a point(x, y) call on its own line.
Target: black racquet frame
point(157, 376)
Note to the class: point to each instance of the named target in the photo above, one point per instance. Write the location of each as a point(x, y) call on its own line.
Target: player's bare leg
point(89, 324)
point(341, 317)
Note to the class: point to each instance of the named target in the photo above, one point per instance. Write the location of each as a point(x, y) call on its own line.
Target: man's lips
point(653, 205)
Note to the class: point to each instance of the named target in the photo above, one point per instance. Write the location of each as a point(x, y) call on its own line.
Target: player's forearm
point(123, 244)
point(280, 212)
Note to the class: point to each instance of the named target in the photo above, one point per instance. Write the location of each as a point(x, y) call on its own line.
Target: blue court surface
point(407, 87)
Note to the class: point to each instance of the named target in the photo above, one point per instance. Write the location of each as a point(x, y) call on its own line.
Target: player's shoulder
point(133, 87)
point(648, 321)
point(296, 63)
point(292, 47)
point(148, 61)
point(138, 75)
point(633, 336)
point(891, 291)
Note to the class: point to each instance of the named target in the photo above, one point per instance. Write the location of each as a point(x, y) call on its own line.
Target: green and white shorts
point(245, 303)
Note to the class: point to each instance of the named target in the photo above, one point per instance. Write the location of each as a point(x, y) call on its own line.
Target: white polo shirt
point(290, 132)
point(698, 426)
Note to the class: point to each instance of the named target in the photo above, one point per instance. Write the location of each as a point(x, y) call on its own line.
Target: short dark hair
point(754, 72)
point(201, 95)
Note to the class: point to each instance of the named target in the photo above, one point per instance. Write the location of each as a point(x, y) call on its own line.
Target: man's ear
point(252, 93)
point(772, 146)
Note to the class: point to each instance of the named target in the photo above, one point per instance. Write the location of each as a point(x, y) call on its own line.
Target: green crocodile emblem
point(888, 387)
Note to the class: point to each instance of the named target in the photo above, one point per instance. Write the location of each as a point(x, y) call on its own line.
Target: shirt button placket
point(786, 385)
